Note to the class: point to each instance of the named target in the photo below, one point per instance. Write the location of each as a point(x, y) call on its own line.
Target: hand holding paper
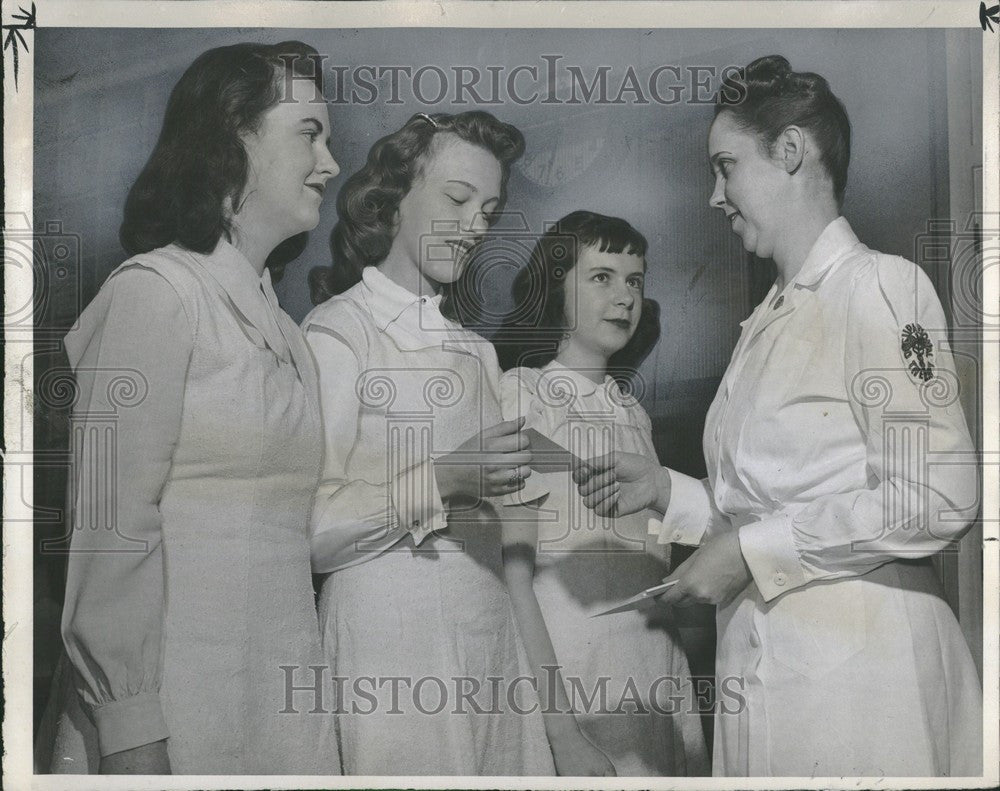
point(550, 456)
point(622, 483)
point(714, 574)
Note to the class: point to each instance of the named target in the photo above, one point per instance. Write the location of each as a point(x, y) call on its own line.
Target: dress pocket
point(815, 629)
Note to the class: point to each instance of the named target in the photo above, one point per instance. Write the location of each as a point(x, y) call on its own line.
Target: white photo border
point(758, 14)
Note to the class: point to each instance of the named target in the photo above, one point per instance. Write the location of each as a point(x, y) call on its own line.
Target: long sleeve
point(354, 517)
point(903, 393)
point(691, 513)
point(130, 356)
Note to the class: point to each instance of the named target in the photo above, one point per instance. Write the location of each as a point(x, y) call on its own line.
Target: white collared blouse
point(400, 384)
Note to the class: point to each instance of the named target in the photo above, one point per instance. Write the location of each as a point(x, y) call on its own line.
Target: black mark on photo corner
point(987, 14)
point(14, 39)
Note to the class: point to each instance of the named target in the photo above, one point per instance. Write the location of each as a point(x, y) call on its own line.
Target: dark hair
point(199, 159)
point(531, 332)
point(766, 96)
point(368, 201)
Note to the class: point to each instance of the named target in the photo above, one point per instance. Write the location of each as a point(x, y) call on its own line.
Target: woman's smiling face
point(289, 164)
point(445, 213)
point(748, 185)
point(603, 301)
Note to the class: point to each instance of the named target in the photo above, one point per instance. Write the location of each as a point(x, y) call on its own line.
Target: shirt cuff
point(768, 548)
point(688, 514)
point(417, 501)
point(128, 723)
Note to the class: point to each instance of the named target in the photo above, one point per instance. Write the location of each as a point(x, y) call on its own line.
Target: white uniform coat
point(837, 447)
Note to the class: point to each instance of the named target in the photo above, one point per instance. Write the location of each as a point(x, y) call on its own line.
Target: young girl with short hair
point(576, 336)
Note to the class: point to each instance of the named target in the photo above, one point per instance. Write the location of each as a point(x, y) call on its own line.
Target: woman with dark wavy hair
point(573, 343)
point(825, 499)
point(189, 585)
point(403, 527)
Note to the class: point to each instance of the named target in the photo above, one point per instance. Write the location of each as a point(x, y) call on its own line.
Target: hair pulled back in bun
point(766, 96)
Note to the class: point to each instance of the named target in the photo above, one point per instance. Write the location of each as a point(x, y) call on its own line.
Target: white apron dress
point(837, 447)
point(410, 594)
point(584, 563)
point(205, 390)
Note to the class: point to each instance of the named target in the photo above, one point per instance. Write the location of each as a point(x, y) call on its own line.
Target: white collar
point(580, 384)
point(387, 300)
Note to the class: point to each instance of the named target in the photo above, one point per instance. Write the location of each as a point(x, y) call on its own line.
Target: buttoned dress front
point(839, 452)
point(412, 592)
point(189, 583)
point(630, 664)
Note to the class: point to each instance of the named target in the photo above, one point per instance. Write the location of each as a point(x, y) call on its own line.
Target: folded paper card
point(549, 456)
point(640, 600)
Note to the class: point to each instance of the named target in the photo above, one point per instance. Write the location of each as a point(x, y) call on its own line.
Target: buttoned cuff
point(417, 501)
point(131, 722)
point(769, 550)
point(689, 513)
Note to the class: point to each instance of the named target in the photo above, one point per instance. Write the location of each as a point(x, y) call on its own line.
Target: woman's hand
point(488, 464)
point(575, 756)
point(714, 574)
point(148, 759)
point(623, 483)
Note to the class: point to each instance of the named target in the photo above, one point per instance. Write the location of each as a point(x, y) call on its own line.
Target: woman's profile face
point(748, 185)
point(444, 215)
point(289, 165)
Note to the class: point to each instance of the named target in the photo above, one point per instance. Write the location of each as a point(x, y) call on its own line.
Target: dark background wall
point(100, 97)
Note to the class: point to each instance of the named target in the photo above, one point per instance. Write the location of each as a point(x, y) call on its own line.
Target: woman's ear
point(790, 148)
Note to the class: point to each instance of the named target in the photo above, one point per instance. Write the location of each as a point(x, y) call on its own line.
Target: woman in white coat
point(838, 462)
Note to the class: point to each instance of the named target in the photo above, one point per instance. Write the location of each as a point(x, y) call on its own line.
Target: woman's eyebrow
point(311, 120)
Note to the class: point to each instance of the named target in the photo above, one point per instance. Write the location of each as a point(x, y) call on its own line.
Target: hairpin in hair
point(428, 119)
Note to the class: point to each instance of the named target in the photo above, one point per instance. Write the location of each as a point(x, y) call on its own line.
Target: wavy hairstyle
point(199, 163)
point(368, 201)
point(531, 332)
point(766, 96)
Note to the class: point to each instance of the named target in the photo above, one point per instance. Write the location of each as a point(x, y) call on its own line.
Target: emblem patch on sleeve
point(918, 352)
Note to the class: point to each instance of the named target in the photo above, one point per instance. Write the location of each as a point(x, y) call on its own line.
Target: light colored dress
point(189, 584)
point(585, 563)
point(837, 447)
point(413, 593)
